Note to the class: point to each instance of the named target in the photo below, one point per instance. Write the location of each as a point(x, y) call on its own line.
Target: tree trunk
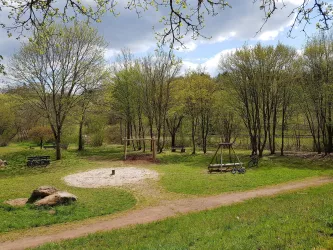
point(80, 137)
point(329, 129)
point(282, 131)
point(173, 139)
point(41, 143)
point(193, 136)
point(128, 132)
point(58, 148)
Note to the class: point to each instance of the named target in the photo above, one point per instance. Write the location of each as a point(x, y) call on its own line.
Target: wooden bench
point(33, 161)
point(49, 146)
point(174, 149)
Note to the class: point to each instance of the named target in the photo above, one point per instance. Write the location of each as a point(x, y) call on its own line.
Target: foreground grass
point(301, 220)
point(18, 181)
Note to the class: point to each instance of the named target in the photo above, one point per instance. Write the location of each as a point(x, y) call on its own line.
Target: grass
point(180, 173)
point(18, 181)
point(187, 174)
point(302, 220)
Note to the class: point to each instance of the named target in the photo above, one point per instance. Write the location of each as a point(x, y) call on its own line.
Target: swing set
point(153, 145)
point(220, 162)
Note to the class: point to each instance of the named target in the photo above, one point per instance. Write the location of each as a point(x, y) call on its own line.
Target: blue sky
point(230, 30)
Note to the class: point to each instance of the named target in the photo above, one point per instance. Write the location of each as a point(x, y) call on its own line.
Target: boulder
point(42, 192)
point(3, 163)
point(57, 198)
point(20, 202)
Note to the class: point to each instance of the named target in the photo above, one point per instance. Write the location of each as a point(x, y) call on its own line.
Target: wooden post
point(125, 148)
point(154, 147)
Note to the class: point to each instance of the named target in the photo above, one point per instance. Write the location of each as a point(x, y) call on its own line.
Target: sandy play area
point(103, 177)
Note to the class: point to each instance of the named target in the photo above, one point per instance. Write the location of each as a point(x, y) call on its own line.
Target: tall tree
point(9, 118)
point(158, 70)
point(255, 75)
point(54, 65)
point(195, 92)
point(318, 91)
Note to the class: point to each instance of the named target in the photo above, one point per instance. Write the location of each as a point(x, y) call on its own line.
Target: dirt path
point(169, 209)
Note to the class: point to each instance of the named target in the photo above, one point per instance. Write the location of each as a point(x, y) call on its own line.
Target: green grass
point(180, 173)
point(302, 220)
point(18, 181)
point(184, 173)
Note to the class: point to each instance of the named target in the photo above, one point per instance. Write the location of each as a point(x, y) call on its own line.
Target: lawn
point(187, 174)
point(180, 174)
point(18, 181)
point(301, 220)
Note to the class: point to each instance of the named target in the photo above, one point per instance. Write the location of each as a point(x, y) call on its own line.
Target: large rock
point(20, 202)
point(57, 198)
point(42, 192)
point(3, 163)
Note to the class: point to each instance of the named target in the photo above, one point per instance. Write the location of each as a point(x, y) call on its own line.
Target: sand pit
point(103, 177)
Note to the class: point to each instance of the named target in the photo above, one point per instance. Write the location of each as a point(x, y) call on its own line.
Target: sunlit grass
point(18, 181)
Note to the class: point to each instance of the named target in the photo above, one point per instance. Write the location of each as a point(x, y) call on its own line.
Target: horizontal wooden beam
point(139, 139)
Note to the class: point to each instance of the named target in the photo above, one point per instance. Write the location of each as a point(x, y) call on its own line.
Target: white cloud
point(268, 35)
point(111, 53)
point(210, 65)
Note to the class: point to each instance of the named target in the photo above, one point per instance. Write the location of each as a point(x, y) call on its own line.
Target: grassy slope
point(18, 181)
point(302, 220)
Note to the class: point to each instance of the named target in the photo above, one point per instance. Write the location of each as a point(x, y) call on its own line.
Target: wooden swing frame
point(153, 145)
point(228, 166)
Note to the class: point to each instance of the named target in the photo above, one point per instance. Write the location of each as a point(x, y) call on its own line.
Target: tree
point(195, 93)
point(158, 71)
point(54, 66)
point(41, 134)
point(127, 96)
point(9, 118)
point(175, 114)
point(226, 121)
point(83, 108)
point(91, 94)
point(255, 75)
point(318, 91)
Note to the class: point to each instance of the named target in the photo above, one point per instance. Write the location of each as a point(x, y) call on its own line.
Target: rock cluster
point(45, 196)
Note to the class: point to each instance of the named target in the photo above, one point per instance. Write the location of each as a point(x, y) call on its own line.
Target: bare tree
point(54, 66)
point(158, 72)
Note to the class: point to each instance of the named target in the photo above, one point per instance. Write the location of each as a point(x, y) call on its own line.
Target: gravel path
point(103, 177)
point(169, 209)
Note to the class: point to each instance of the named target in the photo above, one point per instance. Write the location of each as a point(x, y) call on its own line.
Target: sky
point(231, 29)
